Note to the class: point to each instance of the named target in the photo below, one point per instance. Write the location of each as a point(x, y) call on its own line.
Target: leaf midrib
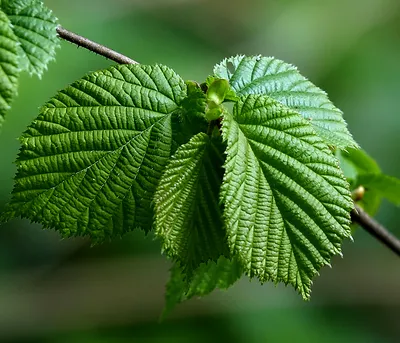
point(104, 156)
point(301, 187)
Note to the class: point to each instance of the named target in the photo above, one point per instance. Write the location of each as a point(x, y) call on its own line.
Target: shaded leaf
point(190, 120)
point(384, 185)
point(361, 161)
point(354, 163)
point(206, 278)
point(188, 216)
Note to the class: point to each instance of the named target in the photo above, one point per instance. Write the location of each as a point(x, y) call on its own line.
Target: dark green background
point(54, 290)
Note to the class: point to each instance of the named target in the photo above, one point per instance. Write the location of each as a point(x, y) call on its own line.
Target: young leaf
point(90, 163)
point(217, 91)
point(191, 120)
point(188, 217)
point(361, 161)
point(282, 82)
point(8, 65)
point(35, 27)
point(384, 185)
point(286, 200)
point(230, 94)
point(355, 162)
point(208, 276)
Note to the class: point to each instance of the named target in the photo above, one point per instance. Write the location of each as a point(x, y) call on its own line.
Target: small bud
point(192, 86)
point(217, 91)
point(358, 193)
point(213, 113)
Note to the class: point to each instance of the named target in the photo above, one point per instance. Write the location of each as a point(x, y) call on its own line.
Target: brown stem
point(92, 46)
point(359, 216)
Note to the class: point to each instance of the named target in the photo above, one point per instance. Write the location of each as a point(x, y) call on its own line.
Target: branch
point(92, 46)
point(359, 216)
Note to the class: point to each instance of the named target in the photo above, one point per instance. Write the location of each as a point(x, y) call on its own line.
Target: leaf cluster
point(28, 40)
point(252, 172)
point(255, 189)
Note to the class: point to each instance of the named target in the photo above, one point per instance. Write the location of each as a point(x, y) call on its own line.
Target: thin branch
point(92, 46)
point(359, 216)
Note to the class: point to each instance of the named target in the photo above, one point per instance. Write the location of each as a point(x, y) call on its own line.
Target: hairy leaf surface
point(90, 163)
point(282, 81)
point(286, 200)
point(35, 27)
point(188, 216)
point(8, 65)
point(207, 277)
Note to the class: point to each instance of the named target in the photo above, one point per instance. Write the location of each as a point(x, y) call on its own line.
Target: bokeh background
point(54, 290)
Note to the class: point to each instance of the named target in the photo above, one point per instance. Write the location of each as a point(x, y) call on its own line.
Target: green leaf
point(188, 216)
point(348, 168)
point(361, 161)
point(286, 200)
point(175, 289)
point(217, 91)
point(206, 278)
point(214, 275)
point(35, 27)
point(8, 65)
point(91, 161)
point(356, 162)
point(383, 185)
point(190, 120)
point(229, 94)
point(282, 82)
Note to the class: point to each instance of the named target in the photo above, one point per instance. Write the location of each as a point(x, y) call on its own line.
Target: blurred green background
point(54, 290)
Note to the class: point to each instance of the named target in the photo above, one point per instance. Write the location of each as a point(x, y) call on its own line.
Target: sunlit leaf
point(91, 161)
point(282, 81)
point(286, 200)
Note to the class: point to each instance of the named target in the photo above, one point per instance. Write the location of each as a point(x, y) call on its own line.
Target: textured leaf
point(206, 278)
point(190, 120)
point(384, 185)
point(282, 81)
point(8, 65)
point(188, 217)
point(214, 275)
point(35, 27)
point(286, 200)
point(90, 163)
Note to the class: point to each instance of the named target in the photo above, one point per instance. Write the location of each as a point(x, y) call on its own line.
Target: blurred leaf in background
point(54, 290)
